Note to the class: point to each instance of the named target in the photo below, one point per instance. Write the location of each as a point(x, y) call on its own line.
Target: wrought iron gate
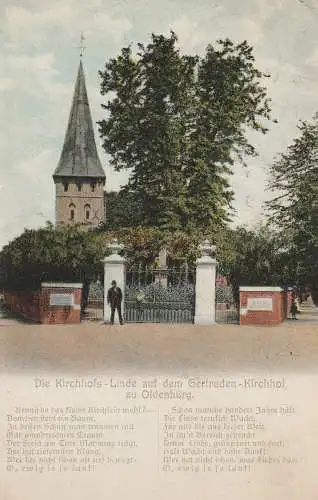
point(226, 310)
point(159, 295)
point(94, 309)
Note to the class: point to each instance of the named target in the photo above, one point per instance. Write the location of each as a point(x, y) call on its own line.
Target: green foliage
point(70, 254)
point(294, 207)
point(142, 245)
point(122, 211)
point(254, 258)
point(46, 254)
point(177, 123)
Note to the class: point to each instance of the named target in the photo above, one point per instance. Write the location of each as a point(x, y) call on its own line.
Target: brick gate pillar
point(205, 285)
point(262, 305)
point(114, 269)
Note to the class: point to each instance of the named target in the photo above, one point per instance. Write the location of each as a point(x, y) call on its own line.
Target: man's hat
point(114, 282)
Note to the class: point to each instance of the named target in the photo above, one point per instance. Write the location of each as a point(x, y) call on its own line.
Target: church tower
point(79, 177)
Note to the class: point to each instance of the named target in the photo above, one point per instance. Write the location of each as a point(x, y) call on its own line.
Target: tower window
point(79, 187)
point(72, 211)
point(87, 209)
point(93, 185)
point(66, 187)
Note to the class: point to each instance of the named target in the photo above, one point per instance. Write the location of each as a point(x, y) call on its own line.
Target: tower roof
point(79, 157)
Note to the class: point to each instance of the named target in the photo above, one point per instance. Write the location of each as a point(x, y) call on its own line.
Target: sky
point(38, 66)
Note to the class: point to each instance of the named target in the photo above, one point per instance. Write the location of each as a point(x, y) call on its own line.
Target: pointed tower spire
point(79, 177)
point(79, 156)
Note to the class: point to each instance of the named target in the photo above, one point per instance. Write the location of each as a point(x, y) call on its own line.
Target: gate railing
point(162, 295)
point(226, 310)
point(144, 275)
point(94, 310)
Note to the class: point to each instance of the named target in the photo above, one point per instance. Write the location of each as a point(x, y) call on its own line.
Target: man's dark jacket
point(114, 297)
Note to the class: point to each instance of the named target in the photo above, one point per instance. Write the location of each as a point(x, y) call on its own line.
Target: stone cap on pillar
point(207, 249)
point(115, 247)
point(61, 285)
point(207, 253)
point(261, 289)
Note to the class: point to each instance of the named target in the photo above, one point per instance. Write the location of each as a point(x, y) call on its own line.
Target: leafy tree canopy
point(48, 254)
point(177, 123)
point(293, 210)
point(123, 210)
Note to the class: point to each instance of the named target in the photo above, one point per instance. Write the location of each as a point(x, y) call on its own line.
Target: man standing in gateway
point(114, 299)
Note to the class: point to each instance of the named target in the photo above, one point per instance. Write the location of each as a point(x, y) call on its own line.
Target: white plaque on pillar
point(61, 299)
point(260, 304)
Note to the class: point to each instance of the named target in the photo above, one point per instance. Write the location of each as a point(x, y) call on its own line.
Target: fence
point(94, 309)
point(160, 295)
point(226, 310)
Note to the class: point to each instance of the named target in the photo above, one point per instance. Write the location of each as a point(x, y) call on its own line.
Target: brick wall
point(258, 298)
point(24, 304)
point(36, 307)
point(52, 314)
